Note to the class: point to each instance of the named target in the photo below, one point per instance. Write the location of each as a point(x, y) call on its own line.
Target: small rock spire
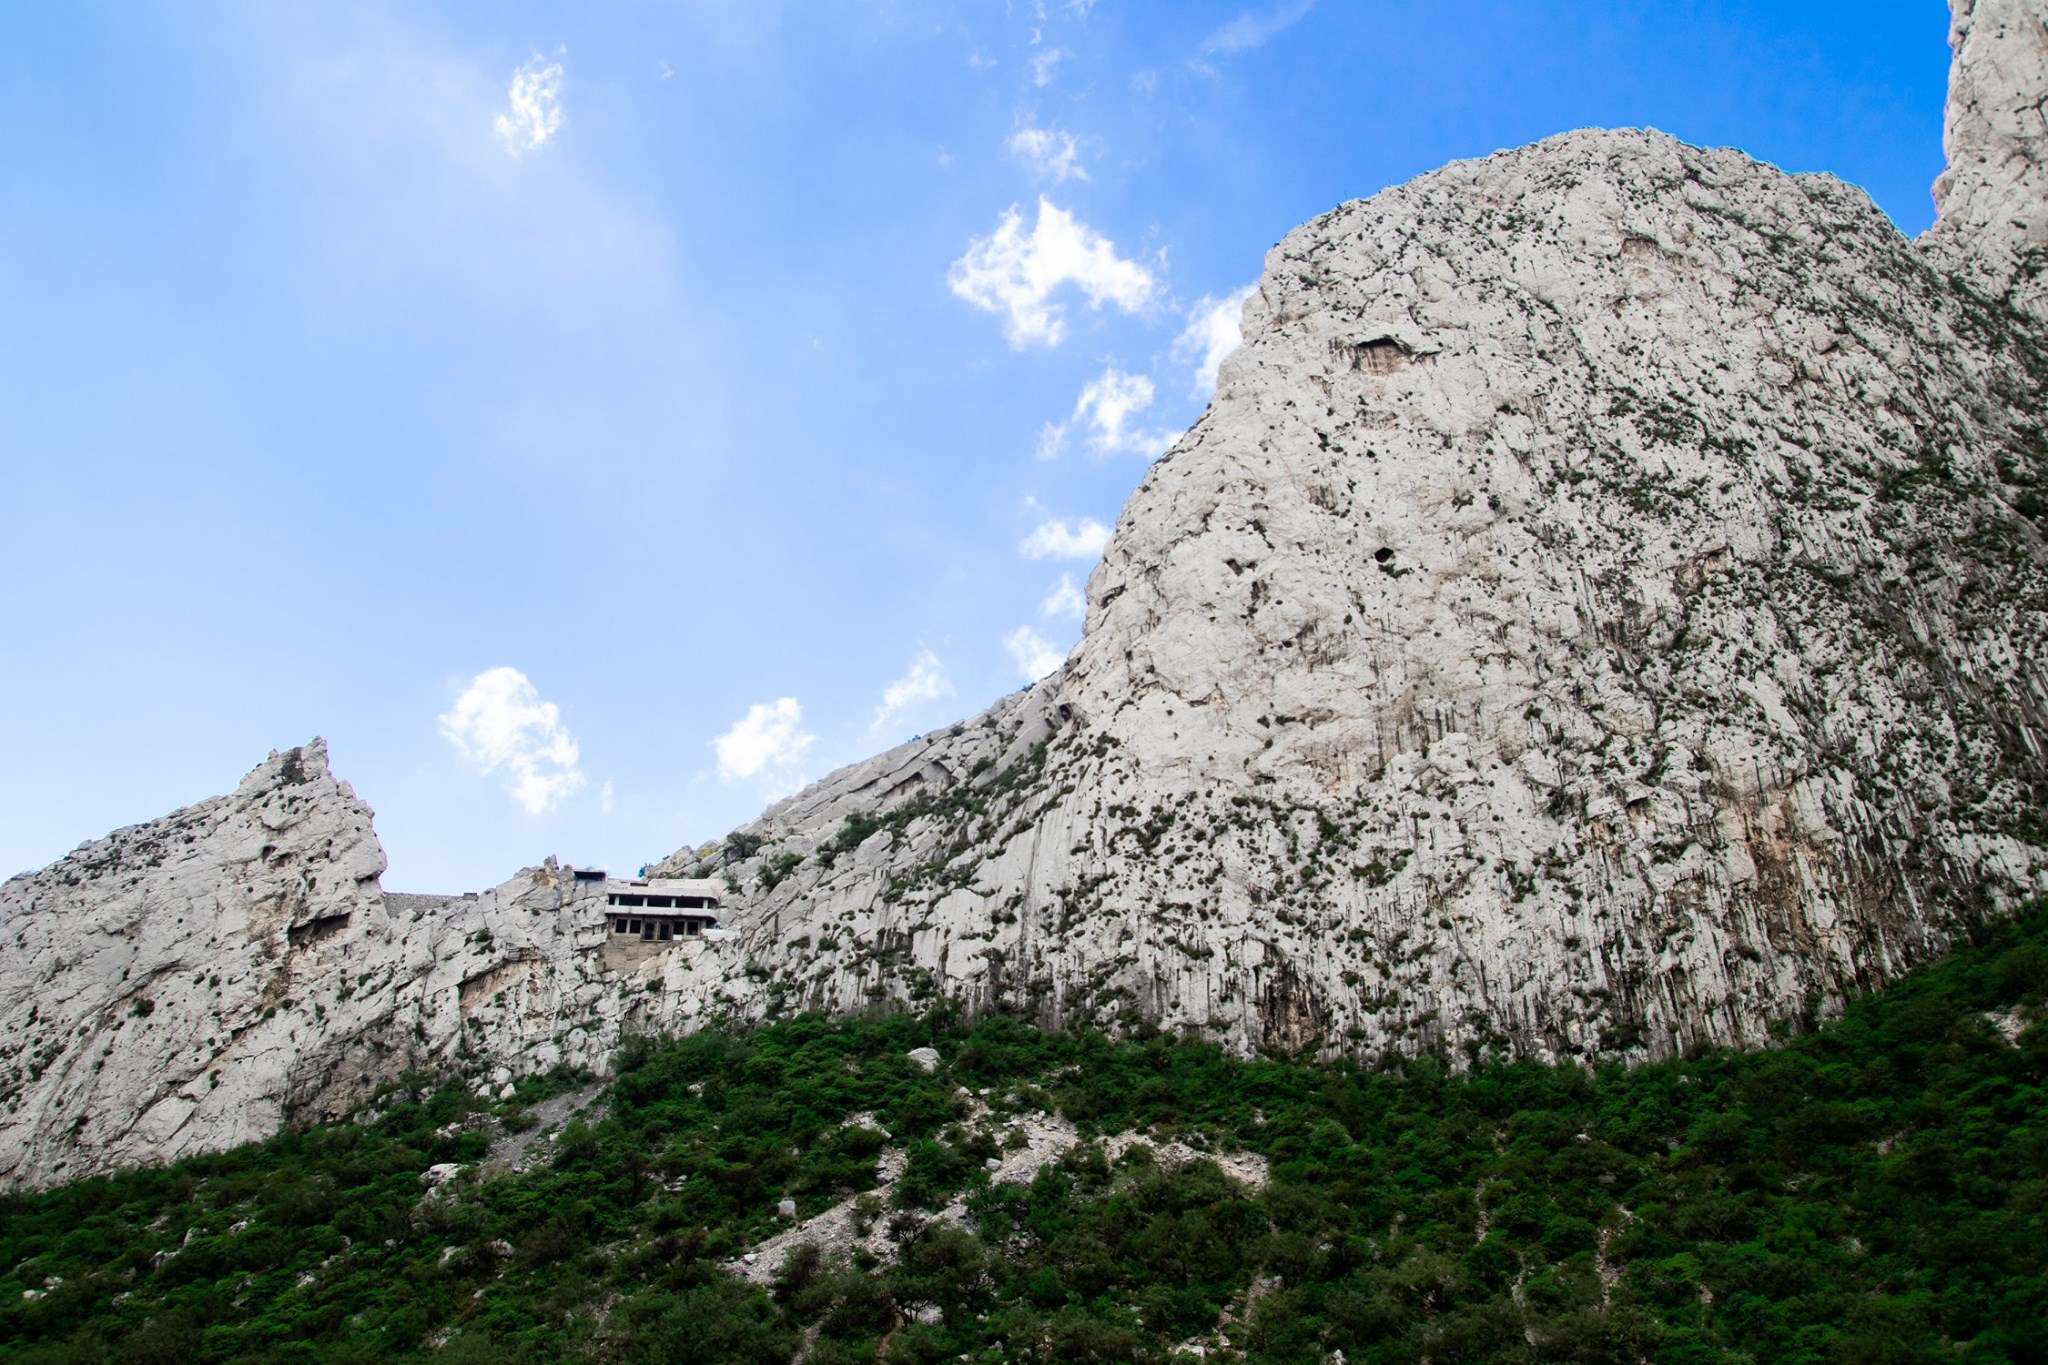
point(1993, 198)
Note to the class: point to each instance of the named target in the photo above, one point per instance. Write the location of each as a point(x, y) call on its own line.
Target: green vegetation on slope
point(1872, 1192)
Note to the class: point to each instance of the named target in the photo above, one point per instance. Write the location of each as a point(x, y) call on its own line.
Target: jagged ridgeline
point(1603, 612)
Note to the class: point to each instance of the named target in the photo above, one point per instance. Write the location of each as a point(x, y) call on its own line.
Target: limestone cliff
point(189, 984)
point(1601, 611)
point(1604, 609)
point(1993, 197)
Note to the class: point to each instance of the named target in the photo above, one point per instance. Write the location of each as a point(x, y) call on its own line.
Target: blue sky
point(595, 420)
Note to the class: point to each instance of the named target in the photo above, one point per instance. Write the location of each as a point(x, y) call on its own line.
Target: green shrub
point(1877, 1190)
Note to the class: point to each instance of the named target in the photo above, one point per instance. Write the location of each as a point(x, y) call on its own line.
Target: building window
point(633, 926)
point(667, 931)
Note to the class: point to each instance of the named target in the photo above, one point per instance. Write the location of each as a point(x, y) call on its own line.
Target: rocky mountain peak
point(197, 981)
point(1601, 612)
point(152, 974)
point(1993, 198)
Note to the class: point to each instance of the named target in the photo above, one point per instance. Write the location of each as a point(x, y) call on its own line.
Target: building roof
point(670, 886)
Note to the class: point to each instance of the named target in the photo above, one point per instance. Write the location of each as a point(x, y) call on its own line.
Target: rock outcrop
point(1993, 198)
point(192, 983)
point(1604, 610)
point(1601, 612)
point(148, 968)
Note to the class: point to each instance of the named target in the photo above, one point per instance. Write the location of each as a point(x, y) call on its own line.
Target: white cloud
point(1108, 403)
point(1053, 156)
point(1255, 28)
point(1214, 330)
point(1045, 64)
point(1064, 602)
point(1085, 539)
point(1105, 410)
point(1035, 655)
point(535, 114)
point(500, 723)
point(926, 681)
point(1052, 439)
point(663, 71)
point(766, 737)
point(606, 797)
point(1015, 273)
point(397, 186)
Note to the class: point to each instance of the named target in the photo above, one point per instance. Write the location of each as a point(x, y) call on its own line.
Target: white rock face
point(1602, 611)
point(189, 984)
point(1993, 197)
point(148, 968)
